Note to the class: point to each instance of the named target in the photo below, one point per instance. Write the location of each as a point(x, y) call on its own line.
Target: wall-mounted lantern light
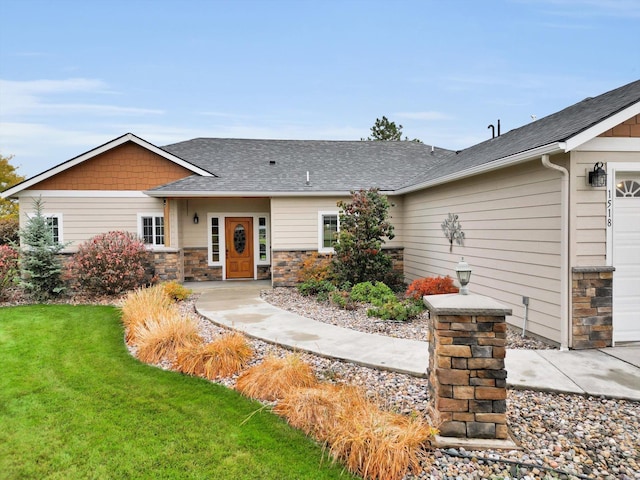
point(598, 177)
point(195, 218)
point(463, 271)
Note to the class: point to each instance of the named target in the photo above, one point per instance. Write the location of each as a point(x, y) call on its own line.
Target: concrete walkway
point(610, 372)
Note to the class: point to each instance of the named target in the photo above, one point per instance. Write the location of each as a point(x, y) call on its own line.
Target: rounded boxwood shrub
point(110, 263)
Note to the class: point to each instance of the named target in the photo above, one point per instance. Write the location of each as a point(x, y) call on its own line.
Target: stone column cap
point(472, 304)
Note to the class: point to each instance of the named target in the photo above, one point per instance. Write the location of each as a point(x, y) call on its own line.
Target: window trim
point(321, 215)
point(153, 215)
point(47, 216)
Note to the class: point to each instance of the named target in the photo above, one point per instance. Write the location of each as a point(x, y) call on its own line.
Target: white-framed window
point(54, 222)
point(216, 238)
point(151, 228)
point(328, 228)
point(263, 240)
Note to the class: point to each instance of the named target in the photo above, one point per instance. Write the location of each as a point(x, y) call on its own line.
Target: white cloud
point(34, 97)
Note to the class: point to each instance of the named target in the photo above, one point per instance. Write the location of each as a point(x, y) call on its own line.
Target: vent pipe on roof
point(493, 130)
point(432, 149)
point(308, 180)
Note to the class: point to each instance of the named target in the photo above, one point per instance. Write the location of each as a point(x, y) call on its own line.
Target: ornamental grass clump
point(223, 357)
point(378, 445)
point(161, 338)
point(316, 410)
point(143, 305)
point(274, 377)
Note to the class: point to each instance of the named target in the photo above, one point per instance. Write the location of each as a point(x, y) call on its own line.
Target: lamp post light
point(463, 271)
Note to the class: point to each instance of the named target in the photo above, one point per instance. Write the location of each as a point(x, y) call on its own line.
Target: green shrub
point(321, 288)
point(9, 228)
point(396, 310)
point(342, 299)
point(377, 294)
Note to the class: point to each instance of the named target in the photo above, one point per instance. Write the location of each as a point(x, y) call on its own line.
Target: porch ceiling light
point(196, 219)
point(598, 177)
point(463, 271)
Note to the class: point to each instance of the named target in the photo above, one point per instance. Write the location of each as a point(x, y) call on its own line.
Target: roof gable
point(46, 178)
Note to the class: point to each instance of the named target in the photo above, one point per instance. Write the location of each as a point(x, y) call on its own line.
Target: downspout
point(564, 251)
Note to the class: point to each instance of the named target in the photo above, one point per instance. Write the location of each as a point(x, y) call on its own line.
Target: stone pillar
point(592, 307)
point(467, 376)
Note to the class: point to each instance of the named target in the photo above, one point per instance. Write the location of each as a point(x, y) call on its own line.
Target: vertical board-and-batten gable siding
point(125, 167)
point(294, 221)
point(511, 221)
point(588, 204)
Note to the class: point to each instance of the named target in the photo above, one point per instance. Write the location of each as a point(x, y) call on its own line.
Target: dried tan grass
point(274, 377)
point(223, 357)
point(376, 444)
point(143, 305)
point(315, 410)
point(161, 338)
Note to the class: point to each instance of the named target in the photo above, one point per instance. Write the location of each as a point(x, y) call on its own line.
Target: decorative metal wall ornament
point(453, 230)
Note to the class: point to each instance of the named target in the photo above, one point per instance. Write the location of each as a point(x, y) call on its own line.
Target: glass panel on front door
point(239, 239)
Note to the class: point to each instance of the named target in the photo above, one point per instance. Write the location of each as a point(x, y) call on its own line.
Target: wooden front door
point(239, 244)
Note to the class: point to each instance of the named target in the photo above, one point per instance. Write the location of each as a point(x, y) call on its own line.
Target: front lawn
point(75, 404)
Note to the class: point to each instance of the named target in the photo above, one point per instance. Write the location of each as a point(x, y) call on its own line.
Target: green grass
point(75, 404)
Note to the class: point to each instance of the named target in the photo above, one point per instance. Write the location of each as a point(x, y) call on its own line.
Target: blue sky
point(76, 74)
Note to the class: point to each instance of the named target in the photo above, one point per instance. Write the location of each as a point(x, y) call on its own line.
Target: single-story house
point(544, 233)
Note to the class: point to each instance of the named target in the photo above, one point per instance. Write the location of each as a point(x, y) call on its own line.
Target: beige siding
point(511, 221)
point(588, 206)
point(84, 217)
point(294, 221)
point(191, 235)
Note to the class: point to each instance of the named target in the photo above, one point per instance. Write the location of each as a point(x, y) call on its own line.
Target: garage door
point(626, 259)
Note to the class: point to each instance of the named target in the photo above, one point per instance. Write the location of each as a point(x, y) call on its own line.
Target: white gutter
point(263, 193)
point(557, 147)
point(564, 252)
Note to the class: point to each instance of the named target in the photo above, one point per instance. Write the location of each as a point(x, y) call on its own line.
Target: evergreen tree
point(41, 268)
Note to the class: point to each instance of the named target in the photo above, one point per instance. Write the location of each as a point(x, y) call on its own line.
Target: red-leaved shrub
point(430, 286)
point(109, 263)
point(8, 267)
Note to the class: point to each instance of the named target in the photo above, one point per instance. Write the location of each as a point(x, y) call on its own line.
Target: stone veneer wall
point(168, 265)
point(467, 375)
point(197, 268)
point(592, 307)
point(286, 264)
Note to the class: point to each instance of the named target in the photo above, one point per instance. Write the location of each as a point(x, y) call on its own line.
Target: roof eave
point(518, 158)
point(128, 137)
point(599, 128)
point(249, 193)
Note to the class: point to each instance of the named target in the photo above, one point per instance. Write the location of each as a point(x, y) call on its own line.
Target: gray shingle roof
point(557, 127)
point(242, 165)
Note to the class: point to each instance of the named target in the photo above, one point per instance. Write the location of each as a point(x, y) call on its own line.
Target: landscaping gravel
point(560, 435)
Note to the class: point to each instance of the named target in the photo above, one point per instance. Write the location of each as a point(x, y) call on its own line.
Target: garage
point(626, 258)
